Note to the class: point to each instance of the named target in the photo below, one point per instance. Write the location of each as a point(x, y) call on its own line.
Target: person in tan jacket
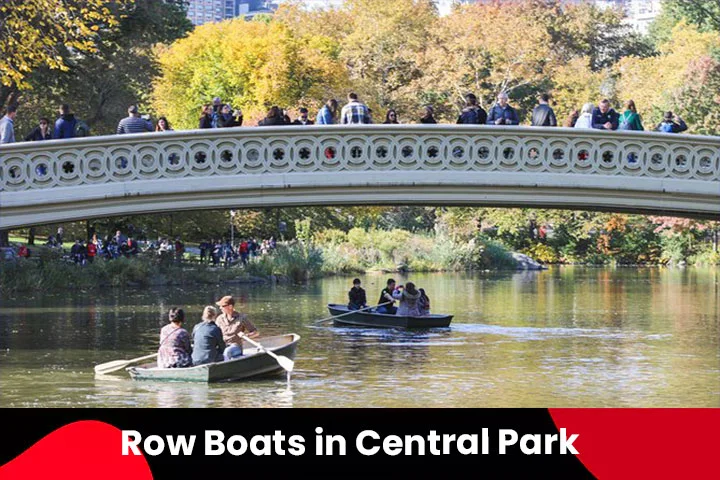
point(234, 326)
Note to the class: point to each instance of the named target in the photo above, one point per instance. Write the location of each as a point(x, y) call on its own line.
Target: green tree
point(37, 33)
point(703, 13)
point(119, 72)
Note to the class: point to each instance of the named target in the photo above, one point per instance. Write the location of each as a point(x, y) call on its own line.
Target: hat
point(226, 300)
point(209, 313)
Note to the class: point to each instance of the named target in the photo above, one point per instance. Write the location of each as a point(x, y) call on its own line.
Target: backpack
point(81, 129)
point(625, 122)
point(666, 127)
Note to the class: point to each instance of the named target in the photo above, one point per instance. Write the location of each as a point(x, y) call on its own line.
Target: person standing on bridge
point(303, 118)
point(206, 116)
point(163, 125)
point(133, 123)
point(543, 114)
point(472, 114)
point(428, 117)
point(328, 113)
point(630, 119)
point(586, 116)
point(671, 124)
point(355, 112)
point(274, 118)
point(228, 118)
point(7, 125)
point(65, 124)
point(502, 113)
point(391, 117)
point(604, 117)
point(41, 132)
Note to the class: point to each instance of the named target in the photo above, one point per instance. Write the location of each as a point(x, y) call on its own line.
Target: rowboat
point(383, 320)
point(253, 362)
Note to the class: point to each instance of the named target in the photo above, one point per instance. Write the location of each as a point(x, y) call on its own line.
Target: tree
point(100, 85)
point(251, 65)
point(656, 84)
point(36, 33)
point(703, 13)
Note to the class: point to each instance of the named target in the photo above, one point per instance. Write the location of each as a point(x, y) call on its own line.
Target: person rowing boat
point(233, 324)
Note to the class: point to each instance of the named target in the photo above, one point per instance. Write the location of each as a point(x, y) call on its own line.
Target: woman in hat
point(175, 350)
point(234, 326)
point(208, 339)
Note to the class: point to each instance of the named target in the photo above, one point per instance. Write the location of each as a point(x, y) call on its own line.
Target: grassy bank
point(332, 252)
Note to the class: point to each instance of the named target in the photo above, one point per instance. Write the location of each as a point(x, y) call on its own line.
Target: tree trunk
point(4, 238)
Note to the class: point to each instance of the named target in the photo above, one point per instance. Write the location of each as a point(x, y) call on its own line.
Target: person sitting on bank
point(175, 350)
point(424, 302)
point(357, 297)
point(386, 296)
point(208, 339)
point(409, 299)
point(234, 326)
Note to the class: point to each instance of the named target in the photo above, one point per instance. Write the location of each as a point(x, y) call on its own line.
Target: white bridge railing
point(680, 172)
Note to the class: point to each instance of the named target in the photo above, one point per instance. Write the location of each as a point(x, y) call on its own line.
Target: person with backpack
point(543, 114)
point(65, 124)
point(502, 113)
point(472, 114)
point(630, 119)
point(671, 124)
point(604, 117)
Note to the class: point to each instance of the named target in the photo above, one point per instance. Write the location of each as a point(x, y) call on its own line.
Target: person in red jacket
point(244, 251)
point(91, 251)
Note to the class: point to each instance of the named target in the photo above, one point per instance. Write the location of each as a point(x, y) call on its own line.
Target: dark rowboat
point(382, 320)
point(253, 362)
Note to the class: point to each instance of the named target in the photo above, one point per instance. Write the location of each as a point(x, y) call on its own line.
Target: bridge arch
point(641, 172)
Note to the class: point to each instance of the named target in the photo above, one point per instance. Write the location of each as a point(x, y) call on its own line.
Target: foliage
point(251, 65)
point(682, 78)
point(99, 86)
point(704, 13)
point(35, 33)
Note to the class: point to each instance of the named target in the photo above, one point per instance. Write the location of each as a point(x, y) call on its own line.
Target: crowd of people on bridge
point(219, 114)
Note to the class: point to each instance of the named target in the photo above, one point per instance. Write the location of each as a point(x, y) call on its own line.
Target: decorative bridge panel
point(252, 151)
point(617, 160)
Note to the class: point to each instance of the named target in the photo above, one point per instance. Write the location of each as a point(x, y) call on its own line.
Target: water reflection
point(565, 337)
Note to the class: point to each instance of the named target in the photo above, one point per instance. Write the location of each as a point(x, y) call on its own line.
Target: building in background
point(640, 13)
point(208, 11)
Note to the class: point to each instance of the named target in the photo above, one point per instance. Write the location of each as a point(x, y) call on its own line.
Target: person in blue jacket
point(502, 113)
point(65, 124)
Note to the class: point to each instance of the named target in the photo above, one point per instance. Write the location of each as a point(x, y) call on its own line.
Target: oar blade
point(285, 363)
point(110, 366)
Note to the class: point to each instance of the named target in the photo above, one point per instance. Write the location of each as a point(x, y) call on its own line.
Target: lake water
point(567, 337)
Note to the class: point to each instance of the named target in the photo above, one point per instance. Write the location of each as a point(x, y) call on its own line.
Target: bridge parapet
point(60, 175)
point(250, 151)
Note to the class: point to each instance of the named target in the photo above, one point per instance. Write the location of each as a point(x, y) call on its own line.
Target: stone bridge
point(642, 172)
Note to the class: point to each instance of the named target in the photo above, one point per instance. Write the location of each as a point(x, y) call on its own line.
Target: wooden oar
point(284, 361)
point(351, 311)
point(115, 365)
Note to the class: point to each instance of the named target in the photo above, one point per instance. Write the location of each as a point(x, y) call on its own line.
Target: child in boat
point(175, 350)
point(208, 339)
point(357, 297)
point(409, 300)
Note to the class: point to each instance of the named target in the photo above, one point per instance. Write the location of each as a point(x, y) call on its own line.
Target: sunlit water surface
point(568, 337)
